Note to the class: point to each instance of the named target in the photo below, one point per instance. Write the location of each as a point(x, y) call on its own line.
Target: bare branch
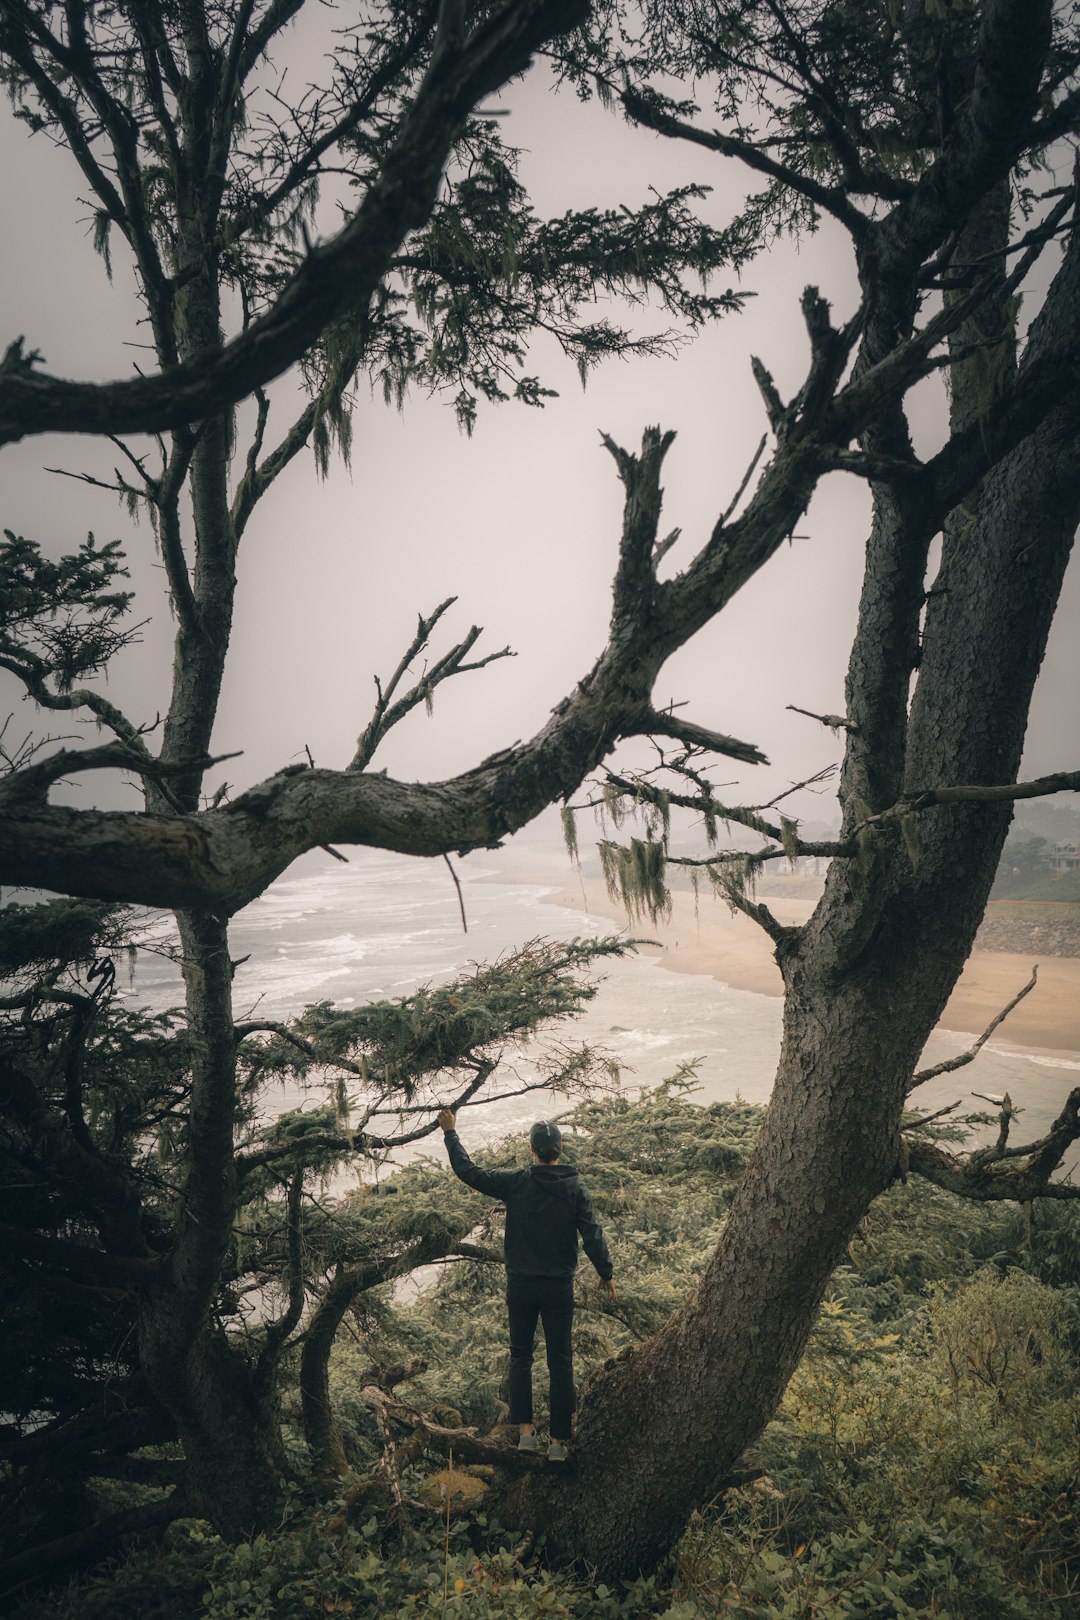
point(973, 1051)
point(835, 722)
point(658, 722)
point(635, 578)
point(461, 897)
point(386, 714)
point(998, 793)
point(778, 413)
point(996, 1174)
point(33, 782)
point(747, 475)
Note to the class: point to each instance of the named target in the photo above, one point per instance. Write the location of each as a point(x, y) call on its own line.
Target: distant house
point(1065, 857)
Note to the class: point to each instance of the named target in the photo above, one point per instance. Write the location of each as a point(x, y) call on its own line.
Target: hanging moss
point(909, 832)
point(615, 804)
point(789, 838)
point(569, 830)
point(634, 876)
point(735, 880)
point(341, 1103)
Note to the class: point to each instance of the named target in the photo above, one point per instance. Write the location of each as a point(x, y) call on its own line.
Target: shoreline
point(734, 951)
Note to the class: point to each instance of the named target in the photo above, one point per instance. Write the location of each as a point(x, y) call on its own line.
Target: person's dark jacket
point(546, 1208)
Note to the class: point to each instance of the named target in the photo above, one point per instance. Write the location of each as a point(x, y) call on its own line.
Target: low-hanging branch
point(464, 1442)
point(1000, 1172)
point(997, 1172)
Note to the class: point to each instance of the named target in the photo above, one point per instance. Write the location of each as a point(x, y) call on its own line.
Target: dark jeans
point(552, 1300)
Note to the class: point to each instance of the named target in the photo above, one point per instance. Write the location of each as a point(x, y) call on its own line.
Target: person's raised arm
point(495, 1183)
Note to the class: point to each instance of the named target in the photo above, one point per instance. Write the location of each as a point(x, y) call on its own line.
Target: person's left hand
point(447, 1119)
point(606, 1285)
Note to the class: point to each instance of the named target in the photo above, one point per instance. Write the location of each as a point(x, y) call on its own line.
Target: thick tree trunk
point(866, 980)
point(227, 1422)
point(224, 1409)
point(658, 1432)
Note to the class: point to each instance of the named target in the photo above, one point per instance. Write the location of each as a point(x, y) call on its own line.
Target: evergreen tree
point(921, 130)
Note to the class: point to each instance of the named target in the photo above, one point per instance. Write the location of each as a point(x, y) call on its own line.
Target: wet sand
point(735, 951)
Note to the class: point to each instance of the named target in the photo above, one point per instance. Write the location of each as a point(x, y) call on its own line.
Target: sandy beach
point(737, 952)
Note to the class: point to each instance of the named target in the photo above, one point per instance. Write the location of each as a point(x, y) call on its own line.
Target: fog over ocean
point(383, 925)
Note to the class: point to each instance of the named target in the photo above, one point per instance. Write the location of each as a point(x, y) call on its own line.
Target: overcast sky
point(520, 523)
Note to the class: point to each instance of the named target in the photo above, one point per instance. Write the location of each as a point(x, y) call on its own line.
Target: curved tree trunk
point(865, 982)
point(320, 1430)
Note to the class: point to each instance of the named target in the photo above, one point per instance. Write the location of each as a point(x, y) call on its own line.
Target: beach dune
point(709, 939)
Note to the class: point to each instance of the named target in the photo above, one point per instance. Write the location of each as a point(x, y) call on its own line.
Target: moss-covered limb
point(796, 847)
point(461, 1441)
point(622, 795)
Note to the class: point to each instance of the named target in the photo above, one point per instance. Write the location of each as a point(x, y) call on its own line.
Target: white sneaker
point(556, 1451)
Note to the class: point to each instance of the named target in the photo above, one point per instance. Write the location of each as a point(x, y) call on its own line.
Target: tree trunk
point(225, 1411)
point(227, 1422)
point(866, 981)
point(658, 1431)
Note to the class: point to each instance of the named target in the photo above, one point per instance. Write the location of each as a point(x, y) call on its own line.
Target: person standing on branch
point(546, 1208)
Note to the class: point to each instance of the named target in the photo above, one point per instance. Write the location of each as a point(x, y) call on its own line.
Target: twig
point(749, 473)
point(460, 896)
point(973, 1051)
point(835, 722)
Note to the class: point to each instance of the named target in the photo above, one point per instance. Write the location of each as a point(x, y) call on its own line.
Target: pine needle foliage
point(440, 1028)
point(61, 619)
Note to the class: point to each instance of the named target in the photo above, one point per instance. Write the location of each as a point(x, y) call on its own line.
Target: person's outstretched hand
point(447, 1119)
point(606, 1285)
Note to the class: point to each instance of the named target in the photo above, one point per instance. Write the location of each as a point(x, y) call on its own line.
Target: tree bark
point(225, 1414)
point(865, 982)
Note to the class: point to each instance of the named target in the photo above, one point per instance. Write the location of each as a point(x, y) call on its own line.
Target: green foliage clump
point(926, 1471)
point(61, 618)
point(72, 932)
